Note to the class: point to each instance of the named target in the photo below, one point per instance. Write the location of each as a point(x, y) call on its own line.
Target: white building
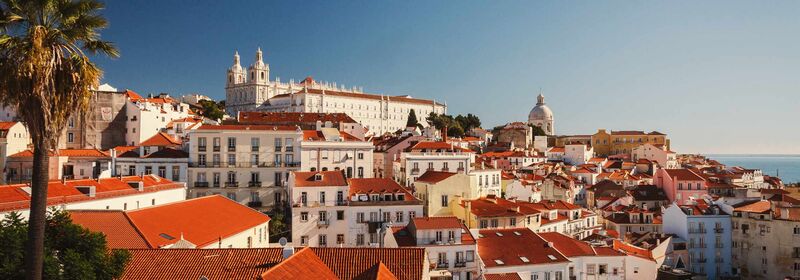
point(432, 156)
point(657, 153)
point(330, 149)
point(449, 244)
point(577, 154)
point(67, 164)
point(542, 116)
point(119, 193)
point(161, 155)
point(14, 138)
point(202, 223)
point(246, 163)
point(329, 210)
point(149, 116)
point(253, 91)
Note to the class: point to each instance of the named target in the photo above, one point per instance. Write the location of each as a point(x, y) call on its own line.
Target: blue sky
point(717, 76)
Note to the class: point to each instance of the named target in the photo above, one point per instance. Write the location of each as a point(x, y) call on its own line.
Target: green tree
point(46, 75)
point(72, 252)
point(412, 120)
point(537, 131)
point(212, 110)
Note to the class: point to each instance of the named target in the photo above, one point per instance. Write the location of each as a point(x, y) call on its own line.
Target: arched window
point(313, 169)
point(262, 75)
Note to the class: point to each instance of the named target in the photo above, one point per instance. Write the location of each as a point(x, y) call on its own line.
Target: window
point(231, 159)
point(590, 269)
point(339, 239)
point(278, 145)
point(322, 197)
point(360, 239)
point(162, 171)
point(387, 216)
point(132, 172)
point(398, 217)
point(176, 173)
point(494, 223)
point(513, 222)
point(70, 137)
point(360, 217)
point(360, 155)
point(323, 216)
point(603, 269)
point(304, 216)
point(340, 215)
point(411, 215)
point(444, 201)
point(439, 236)
point(147, 170)
point(484, 224)
point(231, 144)
point(360, 172)
point(304, 240)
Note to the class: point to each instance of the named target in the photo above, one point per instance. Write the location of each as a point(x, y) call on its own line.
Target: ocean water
point(787, 167)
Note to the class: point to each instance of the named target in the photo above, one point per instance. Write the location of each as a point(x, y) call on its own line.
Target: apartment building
point(681, 185)
point(330, 210)
point(161, 155)
point(246, 163)
point(766, 239)
point(656, 153)
point(66, 164)
point(708, 231)
point(440, 189)
point(149, 116)
point(328, 148)
point(14, 138)
point(387, 150)
point(449, 244)
point(431, 156)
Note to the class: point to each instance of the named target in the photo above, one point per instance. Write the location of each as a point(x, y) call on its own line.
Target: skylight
point(551, 257)
point(499, 233)
point(499, 262)
point(517, 233)
point(166, 236)
point(524, 259)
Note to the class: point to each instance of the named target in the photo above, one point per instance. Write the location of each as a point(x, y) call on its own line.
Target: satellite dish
point(282, 241)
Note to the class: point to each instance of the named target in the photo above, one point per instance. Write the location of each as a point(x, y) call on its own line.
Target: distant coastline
point(751, 155)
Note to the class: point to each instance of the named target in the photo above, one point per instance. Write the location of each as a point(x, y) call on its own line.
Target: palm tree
point(46, 76)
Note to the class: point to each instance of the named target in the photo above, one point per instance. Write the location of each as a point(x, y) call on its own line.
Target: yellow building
point(623, 142)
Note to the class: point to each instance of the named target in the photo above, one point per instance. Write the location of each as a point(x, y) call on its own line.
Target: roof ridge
point(136, 228)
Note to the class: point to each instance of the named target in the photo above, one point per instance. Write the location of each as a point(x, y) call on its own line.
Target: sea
point(786, 167)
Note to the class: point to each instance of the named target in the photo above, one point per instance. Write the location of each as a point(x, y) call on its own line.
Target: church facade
point(252, 90)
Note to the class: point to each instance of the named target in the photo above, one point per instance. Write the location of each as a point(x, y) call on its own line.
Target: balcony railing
point(697, 230)
point(445, 169)
point(323, 223)
point(289, 149)
point(216, 148)
point(278, 148)
point(231, 149)
point(460, 169)
point(244, 164)
point(255, 204)
point(254, 148)
point(341, 203)
point(719, 230)
point(718, 245)
point(201, 148)
point(217, 184)
point(254, 184)
point(442, 264)
point(201, 184)
point(231, 184)
point(414, 171)
point(460, 263)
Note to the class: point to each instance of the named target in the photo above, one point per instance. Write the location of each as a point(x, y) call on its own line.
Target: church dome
point(540, 112)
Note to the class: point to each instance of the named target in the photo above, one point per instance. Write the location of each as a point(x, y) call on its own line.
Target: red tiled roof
point(512, 244)
point(301, 265)
point(119, 231)
point(158, 264)
point(502, 276)
point(556, 150)
point(316, 135)
point(291, 117)
point(567, 245)
point(355, 263)
point(443, 222)
point(133, 96)
point(6, 125)
point(378, 271)
point(329, 179)
point(161, 139)
point(498, 207)
point(202, 221)
point(247, 127)
point(168, 153)
point(762, 206)
point(434, 176)
point(684, 174)
point(632, 250)
point(60, 193)
point(377, 185)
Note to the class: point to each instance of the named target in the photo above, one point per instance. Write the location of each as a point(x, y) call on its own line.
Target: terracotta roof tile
point(684, 174)
point(161, 139)
point(291, 118)
point(356, 263)
point(319, 179)
point(434, 176)
point(442, 222)
point(201, 221)
point(171, 264)
point(301, 265)
point(119, 231)
point(6, 125)
point(428, 145)
point(502, 276)
point(247, 127)
point(496, 250)
point(377, 185)
point(316, 135)
point(761, 206)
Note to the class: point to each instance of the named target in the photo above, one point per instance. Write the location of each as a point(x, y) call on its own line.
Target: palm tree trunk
point(34, 248)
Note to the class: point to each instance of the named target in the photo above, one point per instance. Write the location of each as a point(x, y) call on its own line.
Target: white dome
point(540, 112)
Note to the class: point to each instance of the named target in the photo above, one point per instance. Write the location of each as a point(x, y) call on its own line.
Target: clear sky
point(716, 76)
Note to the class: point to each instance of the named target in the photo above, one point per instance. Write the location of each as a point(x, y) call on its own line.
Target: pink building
point(680, 184)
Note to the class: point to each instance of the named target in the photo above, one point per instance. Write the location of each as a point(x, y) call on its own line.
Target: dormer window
point(317, 177)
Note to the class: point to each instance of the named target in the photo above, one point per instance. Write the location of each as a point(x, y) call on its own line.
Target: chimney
point(444, 134)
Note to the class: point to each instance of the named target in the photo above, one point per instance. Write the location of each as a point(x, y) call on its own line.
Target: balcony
point(231, 184)
point(442, 264)
point(217, 184)
point(254, 184)
point(231, 149)
point(341, 203)
point(254, 148)
point(697, 230)
point(201, 148)
point(201, 184)
point(445, 169)
point(718, 245)
point(323, 223)
point(460, 263)
point(289, 149)
point(719, 230)
point(216, 148)
point(278, 148)
point(460, 169)
point(255, 204)
point(415, 171)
